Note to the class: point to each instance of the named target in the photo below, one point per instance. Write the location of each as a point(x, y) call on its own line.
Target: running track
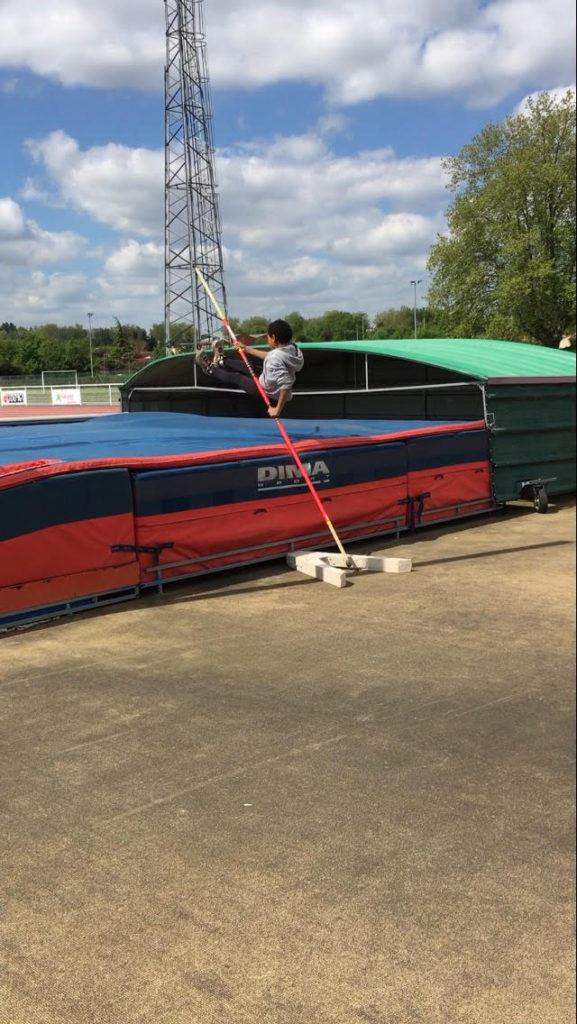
point(41, 412)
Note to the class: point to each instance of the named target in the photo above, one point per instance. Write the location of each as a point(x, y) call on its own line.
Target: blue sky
point(330, 124)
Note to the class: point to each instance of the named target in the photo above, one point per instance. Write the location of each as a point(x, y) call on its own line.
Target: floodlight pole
point(90, 315)
point(414, 284)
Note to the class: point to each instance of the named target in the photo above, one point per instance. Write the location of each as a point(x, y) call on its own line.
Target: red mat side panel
point(66, 549)
point(465, 487)
point(39, 593)
point(217, 536)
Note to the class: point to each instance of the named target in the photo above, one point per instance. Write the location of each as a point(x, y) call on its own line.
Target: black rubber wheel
point(541, 501)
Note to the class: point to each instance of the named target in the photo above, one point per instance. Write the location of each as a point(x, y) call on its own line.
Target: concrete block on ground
point(336, 568)
point(371, 563)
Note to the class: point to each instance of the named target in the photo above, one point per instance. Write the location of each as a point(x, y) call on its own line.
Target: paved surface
point(262, 800)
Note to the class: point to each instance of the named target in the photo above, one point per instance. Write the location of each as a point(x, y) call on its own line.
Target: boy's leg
point(237, 365)
point(232, 373)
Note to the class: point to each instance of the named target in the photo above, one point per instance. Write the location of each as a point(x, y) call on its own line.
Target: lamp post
point(414, 284)
point(90, 315)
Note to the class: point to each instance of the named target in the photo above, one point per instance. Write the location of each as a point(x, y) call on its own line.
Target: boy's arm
point(243, 341)
point(275, 410)
point(257, 352)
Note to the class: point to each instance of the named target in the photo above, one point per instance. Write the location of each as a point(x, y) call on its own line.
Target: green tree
point(254, 325)
point(157, 343)
point(77, 355)
point(157, 334)
point(27, 354)
point(400, 323)
point(7, 356)
point(337, 325)
point(507, 266)
point(298, 324)
point(51, 353)
point(394, 323)
point(127, 343)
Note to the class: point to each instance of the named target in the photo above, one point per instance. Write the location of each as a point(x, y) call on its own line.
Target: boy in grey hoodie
point(280, 366)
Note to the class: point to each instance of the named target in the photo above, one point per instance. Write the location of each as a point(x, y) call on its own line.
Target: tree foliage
point(507, 267)
point(122, 347)
point(400, 323)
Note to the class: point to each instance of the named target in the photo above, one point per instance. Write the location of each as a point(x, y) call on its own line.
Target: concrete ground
point(262, 800)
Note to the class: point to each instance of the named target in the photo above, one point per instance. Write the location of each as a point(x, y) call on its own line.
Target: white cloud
point(270, 202)
point(303, 228)
point(356, 51)
point(113, 184)
point(12, 224)
point(24, 243)
point(311, 231)
point(275, 286)
point(397, 235)
point(510, 42)
point(287, 192)
point(32, 190)
point(132, 275)
point(109, 44)
point(41, 297)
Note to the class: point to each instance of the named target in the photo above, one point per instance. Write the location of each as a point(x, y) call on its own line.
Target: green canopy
point(476, 358)
point(482, 358)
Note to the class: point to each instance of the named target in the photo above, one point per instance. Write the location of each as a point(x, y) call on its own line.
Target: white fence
point(81, 394)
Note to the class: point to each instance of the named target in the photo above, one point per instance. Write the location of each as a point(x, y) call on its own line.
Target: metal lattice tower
point(192, 220)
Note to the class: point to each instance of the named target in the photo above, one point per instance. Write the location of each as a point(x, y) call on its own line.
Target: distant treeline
point(125, 347)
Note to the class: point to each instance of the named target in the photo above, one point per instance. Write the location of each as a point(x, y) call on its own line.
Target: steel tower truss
point(192, 220)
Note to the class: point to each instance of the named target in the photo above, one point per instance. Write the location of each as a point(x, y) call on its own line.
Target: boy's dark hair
point(280, 330)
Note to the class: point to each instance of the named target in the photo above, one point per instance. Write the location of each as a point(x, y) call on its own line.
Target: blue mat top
point(129, 435)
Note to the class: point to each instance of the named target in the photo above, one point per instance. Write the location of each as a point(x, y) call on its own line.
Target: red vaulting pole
point(266, 400)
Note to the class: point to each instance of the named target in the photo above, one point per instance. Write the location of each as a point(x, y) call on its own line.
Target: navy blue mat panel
point(68, 498)
point(160, 492)
point(130, 435)
point(447, 449)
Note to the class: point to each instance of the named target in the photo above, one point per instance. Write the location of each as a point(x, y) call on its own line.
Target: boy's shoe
point(218, 353)
point(204, 361)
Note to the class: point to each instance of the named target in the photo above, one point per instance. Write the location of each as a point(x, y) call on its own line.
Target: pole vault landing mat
point(101, 509)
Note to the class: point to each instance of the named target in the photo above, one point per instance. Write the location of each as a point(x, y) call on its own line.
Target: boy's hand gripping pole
point(286, 438)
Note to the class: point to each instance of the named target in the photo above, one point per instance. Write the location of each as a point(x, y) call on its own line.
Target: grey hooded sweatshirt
point(280, 368)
